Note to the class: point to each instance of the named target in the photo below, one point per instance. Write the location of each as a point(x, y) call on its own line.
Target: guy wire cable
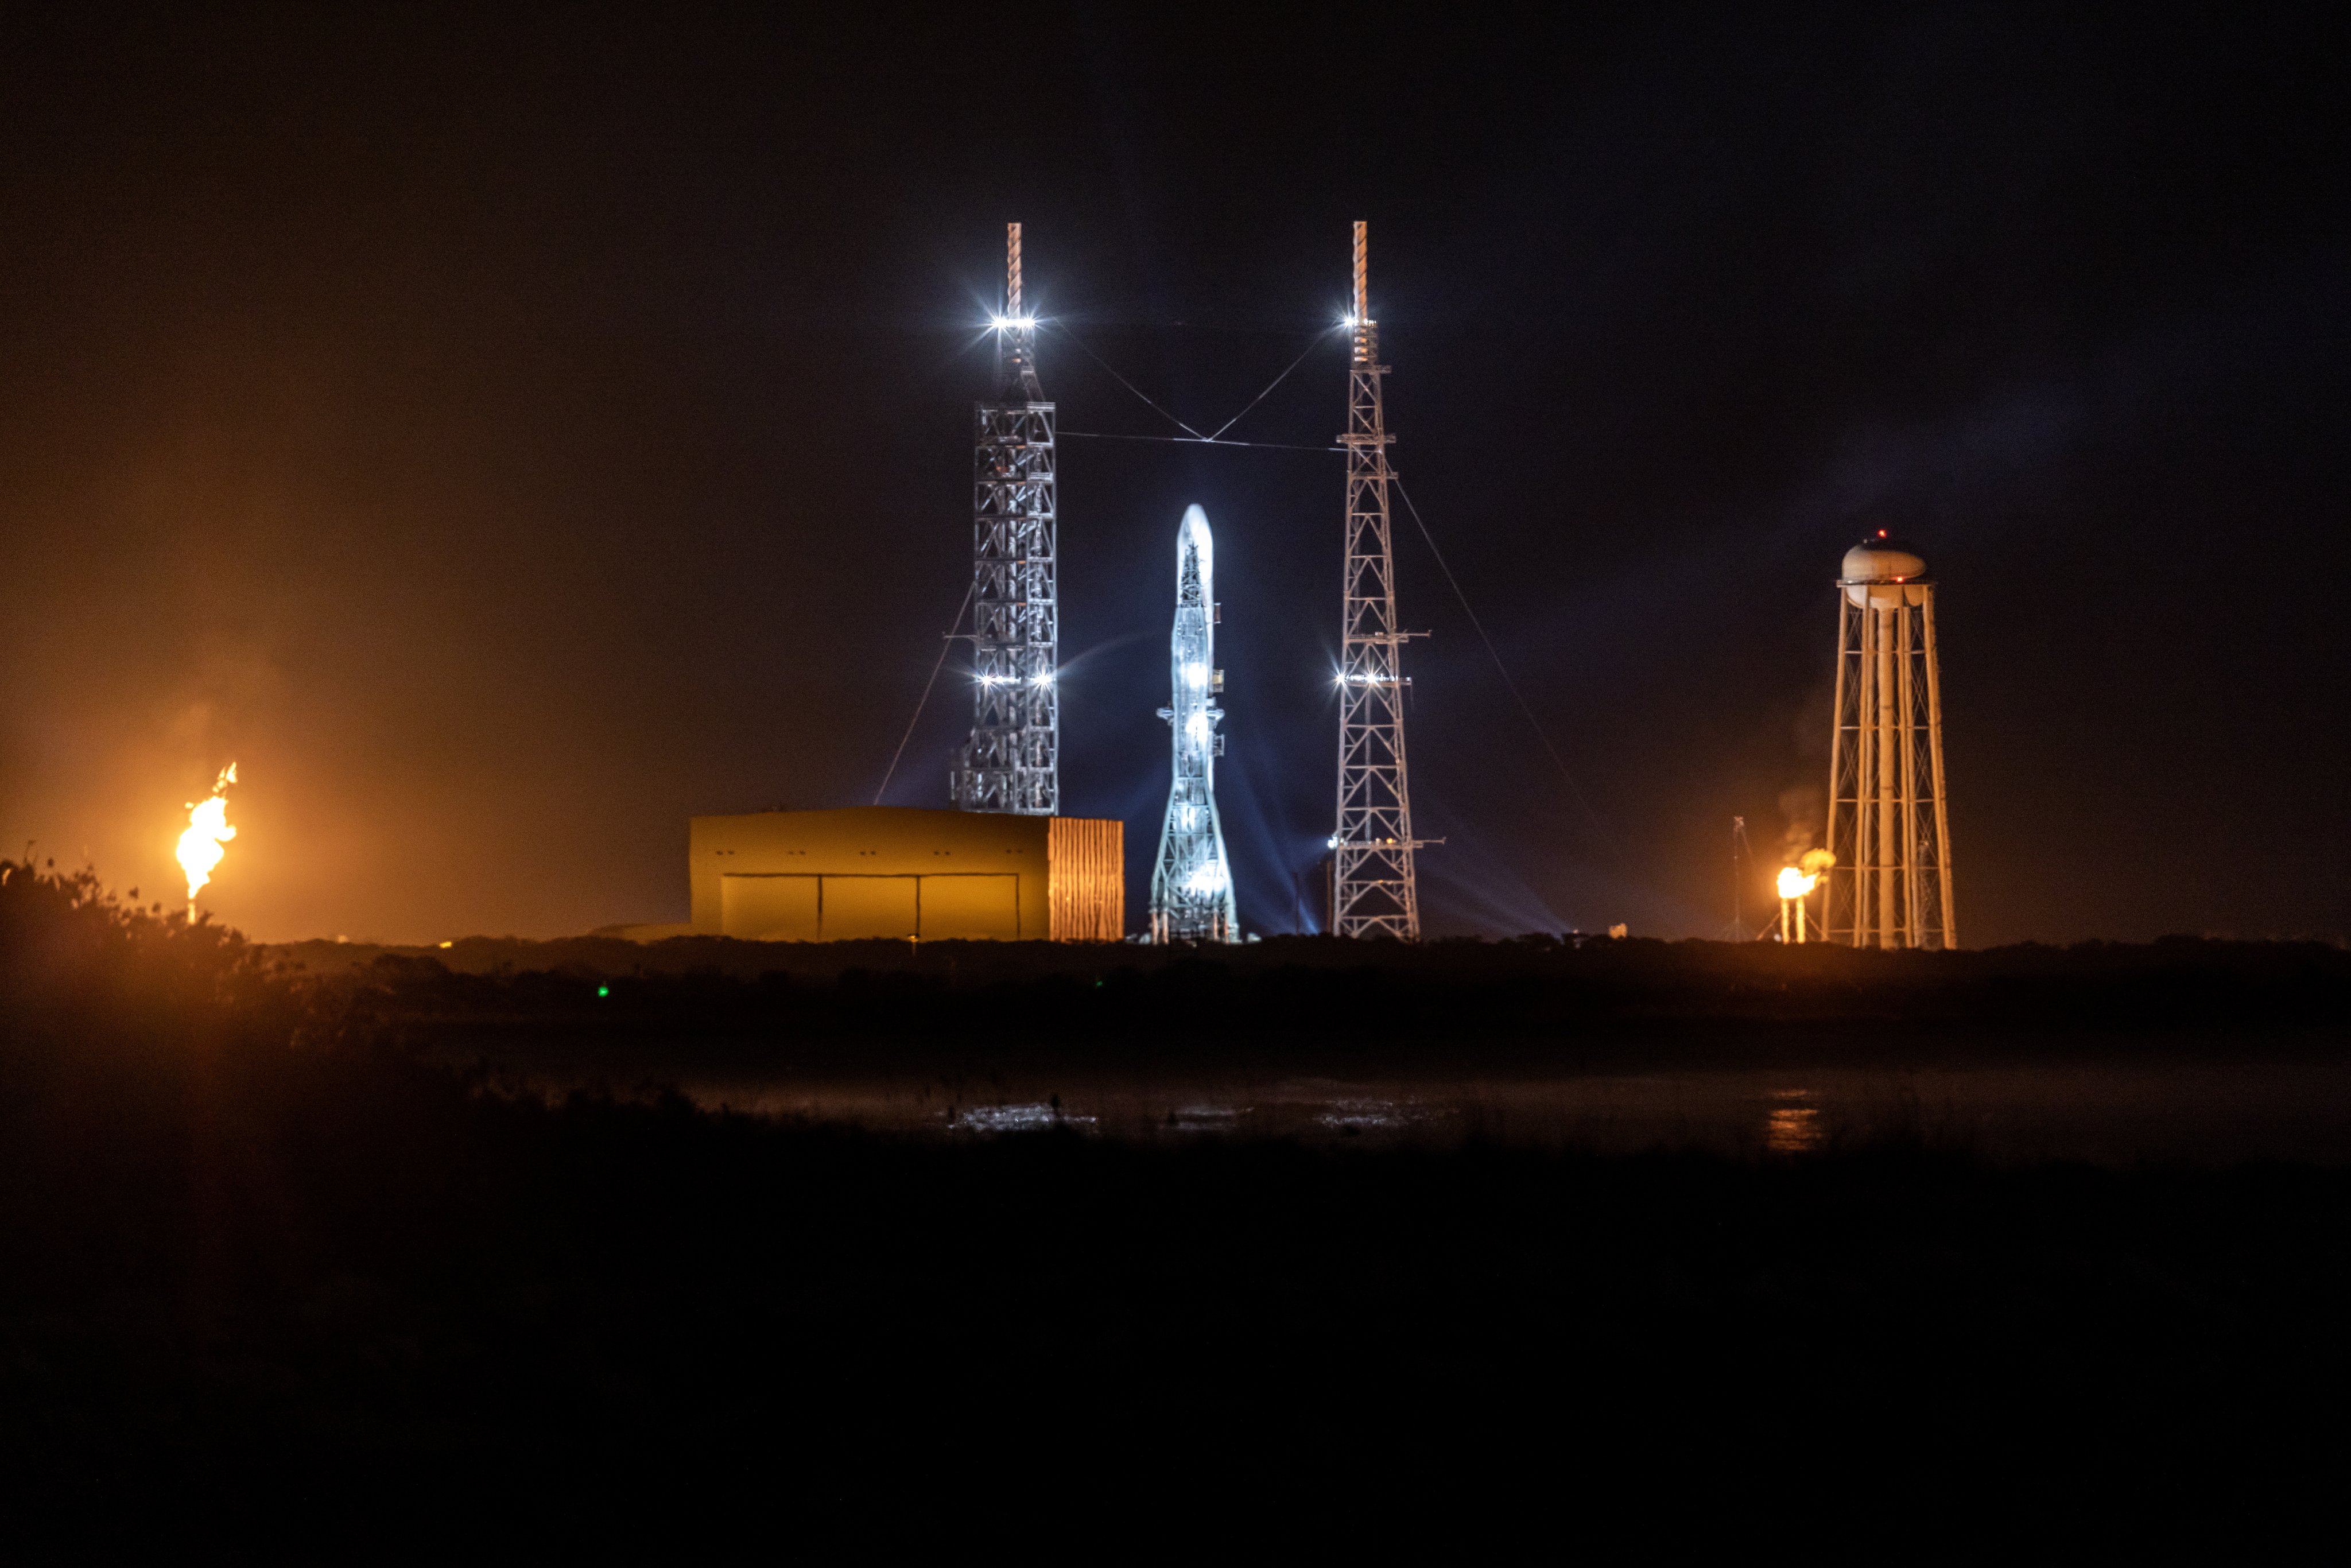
point(1503, 669)
point(944, 643)
point(1189, 432)
point(1194, 441)
point(1129, 385)
point(1268, 387)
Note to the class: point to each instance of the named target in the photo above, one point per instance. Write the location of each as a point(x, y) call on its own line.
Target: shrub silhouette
point(258, 1257)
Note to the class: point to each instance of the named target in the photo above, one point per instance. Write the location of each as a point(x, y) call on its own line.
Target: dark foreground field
point(266, 1272)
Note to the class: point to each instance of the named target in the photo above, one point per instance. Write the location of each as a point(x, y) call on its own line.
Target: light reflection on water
point(1353, 1117)
point(1015, 1119)
point(2108, 1113)
point(1206, 1118)
point(1792, 1127)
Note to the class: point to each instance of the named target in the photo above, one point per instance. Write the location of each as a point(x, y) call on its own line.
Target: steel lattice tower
point(1013, 761)
point(1372, 893)
point(1192, 888)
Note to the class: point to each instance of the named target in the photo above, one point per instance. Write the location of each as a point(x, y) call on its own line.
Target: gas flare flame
point(1794, 883)
point(208, 829)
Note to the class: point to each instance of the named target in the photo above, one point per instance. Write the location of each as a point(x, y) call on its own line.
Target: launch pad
point(1005, 865)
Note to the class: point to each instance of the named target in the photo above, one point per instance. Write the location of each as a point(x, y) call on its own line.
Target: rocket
point(1192, 886)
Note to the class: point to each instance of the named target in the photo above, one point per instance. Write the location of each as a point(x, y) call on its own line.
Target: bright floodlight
point(1044, 680)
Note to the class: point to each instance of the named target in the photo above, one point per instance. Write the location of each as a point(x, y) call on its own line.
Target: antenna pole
point(1362, 279)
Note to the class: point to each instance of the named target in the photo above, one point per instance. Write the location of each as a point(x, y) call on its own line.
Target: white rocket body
point(1192, 886)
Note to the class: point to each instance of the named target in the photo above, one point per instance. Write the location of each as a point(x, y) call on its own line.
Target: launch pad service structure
point(1192, 886)
point(1890, 885)
point(1374, 892)
point(1013, 761)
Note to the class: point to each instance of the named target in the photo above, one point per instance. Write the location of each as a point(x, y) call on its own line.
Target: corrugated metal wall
point(1088, 862)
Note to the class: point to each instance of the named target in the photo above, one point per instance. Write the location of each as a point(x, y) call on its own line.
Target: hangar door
point(768, 908)
point(973, 908)
point(857, 906)
point(800, 907)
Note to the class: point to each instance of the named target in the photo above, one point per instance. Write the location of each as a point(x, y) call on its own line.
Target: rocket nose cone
point(1194, 534)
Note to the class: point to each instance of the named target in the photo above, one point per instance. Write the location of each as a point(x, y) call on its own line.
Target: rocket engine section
point(1192, 888)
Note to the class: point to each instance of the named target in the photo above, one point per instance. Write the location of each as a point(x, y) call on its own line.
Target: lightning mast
point(1372, 892)
point(1192, 889)
point(1012, 762)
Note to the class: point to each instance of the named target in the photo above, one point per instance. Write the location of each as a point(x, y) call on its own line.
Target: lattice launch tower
point(1372, 891)
point(1012, 762)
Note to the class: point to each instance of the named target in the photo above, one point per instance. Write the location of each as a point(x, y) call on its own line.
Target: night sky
point(506, 439)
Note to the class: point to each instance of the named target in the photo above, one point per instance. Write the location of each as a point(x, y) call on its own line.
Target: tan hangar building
point(903, 873)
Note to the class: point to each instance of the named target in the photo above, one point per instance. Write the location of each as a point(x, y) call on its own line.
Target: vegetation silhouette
point(264, 1266)
point(1318, 987)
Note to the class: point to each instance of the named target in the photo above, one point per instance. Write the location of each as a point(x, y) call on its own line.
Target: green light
point(603, 990)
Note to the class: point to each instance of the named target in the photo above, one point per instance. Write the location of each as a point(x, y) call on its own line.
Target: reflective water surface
point(2100, 1113)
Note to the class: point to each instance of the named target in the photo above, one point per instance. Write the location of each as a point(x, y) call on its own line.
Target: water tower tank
point(1883, 575)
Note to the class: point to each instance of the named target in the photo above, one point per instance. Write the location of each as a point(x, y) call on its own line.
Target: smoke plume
point(1801, 805)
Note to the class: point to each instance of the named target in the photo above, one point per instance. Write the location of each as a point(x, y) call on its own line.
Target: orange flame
point(208, 829)
point(1794, 883)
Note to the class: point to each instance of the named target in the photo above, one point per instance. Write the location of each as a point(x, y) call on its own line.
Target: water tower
point(1891, 883)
